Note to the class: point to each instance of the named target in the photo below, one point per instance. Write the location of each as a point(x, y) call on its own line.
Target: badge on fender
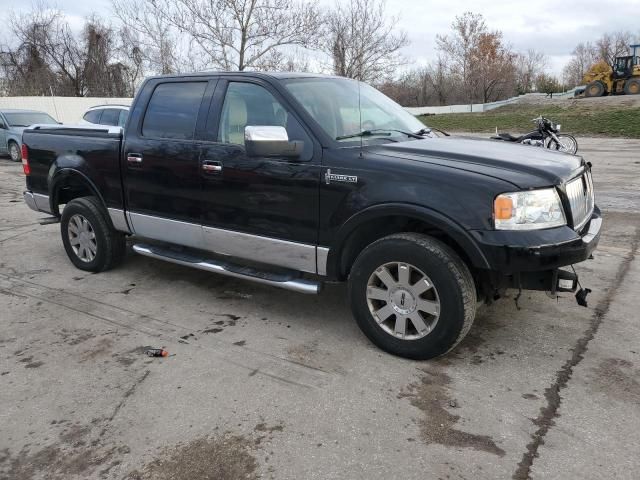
point(328, 177)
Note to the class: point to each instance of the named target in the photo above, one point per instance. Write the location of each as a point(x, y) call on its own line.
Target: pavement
point(265, 383)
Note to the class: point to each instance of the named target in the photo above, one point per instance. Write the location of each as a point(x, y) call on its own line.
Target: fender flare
point(432, 217)
point(58, 176)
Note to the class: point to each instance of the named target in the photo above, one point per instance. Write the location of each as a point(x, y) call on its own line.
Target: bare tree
point(47, 56)
point(459, 47)
point(438, 77)
point(583, 57)
point(362, 41)
point(529, 66)
point(102, 75)
point(147, 38)
point(45, 31)
point(480, 65)
point(493, 67)
point(241, 34)
point(612, 45)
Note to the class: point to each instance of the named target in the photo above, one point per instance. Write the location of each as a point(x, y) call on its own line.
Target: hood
point(522, 165)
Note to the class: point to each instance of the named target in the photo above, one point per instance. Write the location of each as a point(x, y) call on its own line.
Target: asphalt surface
point(266, 383)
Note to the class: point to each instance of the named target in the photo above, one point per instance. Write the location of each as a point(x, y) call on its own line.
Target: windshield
point(24, 119)
point(333, 103)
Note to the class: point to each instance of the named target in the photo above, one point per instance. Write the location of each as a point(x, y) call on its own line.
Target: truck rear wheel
point(412, 295)
point(632, 86)
point(594, 89)
point(89, 239)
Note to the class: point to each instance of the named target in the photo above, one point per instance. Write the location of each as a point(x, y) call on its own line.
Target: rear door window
point(173, 110)
point(110, 116)
point(93, 116)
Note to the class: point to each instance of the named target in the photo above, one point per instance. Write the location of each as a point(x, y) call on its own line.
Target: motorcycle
point(547, 134)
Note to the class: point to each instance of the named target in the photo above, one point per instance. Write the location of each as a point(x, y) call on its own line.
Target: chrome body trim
point(298, 256)
point(118, 219)
point(30, 201)
point(166, 230)
point(322, 254)
point(283, 253)
point(299, 285)
point(37, 202)
point(42, 202)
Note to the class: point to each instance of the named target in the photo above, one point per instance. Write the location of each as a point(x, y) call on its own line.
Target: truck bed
point(92, 151)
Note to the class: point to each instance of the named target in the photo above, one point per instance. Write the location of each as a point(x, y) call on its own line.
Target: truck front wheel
point(90, 241)
point(412, 295)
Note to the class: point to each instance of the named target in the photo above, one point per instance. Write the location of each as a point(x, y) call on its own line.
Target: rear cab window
point(173, 110)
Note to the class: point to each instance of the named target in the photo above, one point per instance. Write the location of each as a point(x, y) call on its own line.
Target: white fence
point(480, 107)
point(63, 109)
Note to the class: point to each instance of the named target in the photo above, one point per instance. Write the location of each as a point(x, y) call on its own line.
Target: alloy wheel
point(403, 300)
point(82, 238)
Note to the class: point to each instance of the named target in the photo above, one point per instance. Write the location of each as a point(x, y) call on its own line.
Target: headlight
point(529, 210)
point(558, 127)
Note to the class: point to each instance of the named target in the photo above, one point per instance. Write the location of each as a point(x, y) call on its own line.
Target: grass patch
point(618, 121)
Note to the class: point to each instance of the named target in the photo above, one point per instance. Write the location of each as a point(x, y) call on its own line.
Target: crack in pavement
point(549, 412)
point(127, 394)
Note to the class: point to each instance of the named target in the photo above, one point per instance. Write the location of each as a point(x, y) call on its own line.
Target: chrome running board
point(288, 281)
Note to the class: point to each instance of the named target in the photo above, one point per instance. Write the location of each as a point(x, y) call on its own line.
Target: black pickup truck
point(295, 179)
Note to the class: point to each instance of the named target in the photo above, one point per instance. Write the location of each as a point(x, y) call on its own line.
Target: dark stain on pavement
point(617, 379)
point(71, 456)
point(437, 425)
point(213, 330)
point(34, 364)
point(226, 457)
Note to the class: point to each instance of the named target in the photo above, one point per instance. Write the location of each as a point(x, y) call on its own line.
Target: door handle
point(134, 158)
point(211, 166)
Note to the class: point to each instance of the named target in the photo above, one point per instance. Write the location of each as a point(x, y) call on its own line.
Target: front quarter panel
point(464, 198)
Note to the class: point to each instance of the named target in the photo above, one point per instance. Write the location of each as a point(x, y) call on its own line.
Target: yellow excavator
point(622, 78)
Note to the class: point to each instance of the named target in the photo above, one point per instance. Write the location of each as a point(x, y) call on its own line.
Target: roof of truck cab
point(273, 75)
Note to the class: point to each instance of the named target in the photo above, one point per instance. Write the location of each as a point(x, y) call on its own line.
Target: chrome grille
point(581, 199)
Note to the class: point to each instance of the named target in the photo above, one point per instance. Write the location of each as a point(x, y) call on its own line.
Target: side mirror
point(270, 141)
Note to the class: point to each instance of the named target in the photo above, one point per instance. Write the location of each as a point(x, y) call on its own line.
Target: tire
point(95, 246)
point(569, 144)
point(451, 297)
point(14, 151)
point(632, 86)
point(594, 89)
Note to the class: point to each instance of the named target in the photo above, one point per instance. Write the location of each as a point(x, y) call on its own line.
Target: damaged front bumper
point(532, 260)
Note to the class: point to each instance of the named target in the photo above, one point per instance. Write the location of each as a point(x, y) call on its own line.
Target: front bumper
point(510, 252)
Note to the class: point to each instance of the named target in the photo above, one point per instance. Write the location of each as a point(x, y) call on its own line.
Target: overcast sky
point(554, 27)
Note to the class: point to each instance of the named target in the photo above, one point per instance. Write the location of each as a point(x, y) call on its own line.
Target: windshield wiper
point(378, 131)
point(427, 131)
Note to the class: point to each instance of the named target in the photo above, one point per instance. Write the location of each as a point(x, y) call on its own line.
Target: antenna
point(360, 114)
